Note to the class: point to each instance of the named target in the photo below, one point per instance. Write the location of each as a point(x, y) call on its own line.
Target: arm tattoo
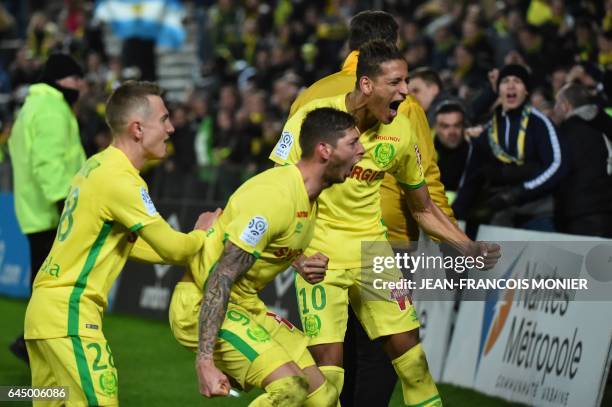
point(233, 264)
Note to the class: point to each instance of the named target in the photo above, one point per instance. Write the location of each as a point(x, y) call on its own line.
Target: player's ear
point(134, 129)
point(365, 85)
point(323, 150)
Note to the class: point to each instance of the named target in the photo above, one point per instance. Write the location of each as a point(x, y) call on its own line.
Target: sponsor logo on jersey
point(369, 175)
point(254, 231)
point(51, 268)
point(384, 154)
point(287, 252)
point(388, 138)
point(301, 214)
point(147, 201)
point(283, 147)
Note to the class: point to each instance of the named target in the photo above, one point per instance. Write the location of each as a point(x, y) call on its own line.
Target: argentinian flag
point(160, 20)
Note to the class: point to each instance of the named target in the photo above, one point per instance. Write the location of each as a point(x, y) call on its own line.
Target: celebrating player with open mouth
point(267, 223)
point(350, 215)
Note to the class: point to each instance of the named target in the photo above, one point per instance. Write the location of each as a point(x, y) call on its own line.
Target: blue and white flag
point(159, 20)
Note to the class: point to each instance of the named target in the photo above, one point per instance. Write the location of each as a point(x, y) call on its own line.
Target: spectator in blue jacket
point(514, 164)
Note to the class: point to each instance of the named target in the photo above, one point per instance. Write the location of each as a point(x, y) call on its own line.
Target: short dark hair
point(449, 106)
point(372, 55)
point(125, 99)
point(371, 25)
point(427, 75)
point(325, 125)
point(576, 94)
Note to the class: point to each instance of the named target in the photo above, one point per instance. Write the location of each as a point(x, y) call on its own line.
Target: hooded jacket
point(46, 152)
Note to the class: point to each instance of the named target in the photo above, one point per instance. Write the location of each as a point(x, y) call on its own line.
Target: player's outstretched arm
point(437, 224)
point(172, 247)
point(143, 252)
point(233, 263)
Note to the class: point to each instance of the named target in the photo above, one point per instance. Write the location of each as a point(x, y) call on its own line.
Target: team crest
point(108, 383)
point(312, 325)
point(258, 334)
point(384, 154)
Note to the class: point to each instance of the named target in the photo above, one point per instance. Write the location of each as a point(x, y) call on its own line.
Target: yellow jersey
point(269, 216)
point(401, 226)
point(107, 204)
point(350, 212)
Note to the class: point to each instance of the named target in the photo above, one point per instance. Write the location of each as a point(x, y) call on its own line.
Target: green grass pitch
point(154, 370)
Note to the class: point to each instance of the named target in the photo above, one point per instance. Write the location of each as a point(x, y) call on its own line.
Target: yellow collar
point(350, 63)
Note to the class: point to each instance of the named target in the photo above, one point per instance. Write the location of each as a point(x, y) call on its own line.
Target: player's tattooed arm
point(234, 263)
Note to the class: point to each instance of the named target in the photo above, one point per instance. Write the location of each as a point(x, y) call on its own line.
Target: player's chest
point(296, 238)
point(381, 152)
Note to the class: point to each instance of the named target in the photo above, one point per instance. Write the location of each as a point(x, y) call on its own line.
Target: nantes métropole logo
point(496, 314)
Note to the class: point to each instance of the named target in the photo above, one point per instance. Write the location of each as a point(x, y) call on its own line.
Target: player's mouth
point(393, 106)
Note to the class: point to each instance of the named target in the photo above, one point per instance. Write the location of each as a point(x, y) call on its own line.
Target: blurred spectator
point(46, 153)
point(426, 87)
point(202, 124)
point(450, 143)
point(468, 77)
point(515, 164)
point(583, 202)
point(183, 158)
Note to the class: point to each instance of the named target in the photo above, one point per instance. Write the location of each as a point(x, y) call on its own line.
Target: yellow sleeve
point(261, 218)
point(287, 150)
point(172, 247)
point(130, 204)
point(415, 113)
point(407, 169)
point(142, 252)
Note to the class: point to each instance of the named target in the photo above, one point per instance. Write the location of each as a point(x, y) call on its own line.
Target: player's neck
point(131, 151)
point(313, 176)
point(356, 104)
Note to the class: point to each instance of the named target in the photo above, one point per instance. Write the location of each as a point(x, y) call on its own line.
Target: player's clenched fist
point(211, 381)
point(313, 268)
point(491, 252)
point(207, 219)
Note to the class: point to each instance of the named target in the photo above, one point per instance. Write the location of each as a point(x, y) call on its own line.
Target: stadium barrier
point(14, 252)
point(532, 346)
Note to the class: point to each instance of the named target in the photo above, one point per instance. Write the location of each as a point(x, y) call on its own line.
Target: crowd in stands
point(256, 55)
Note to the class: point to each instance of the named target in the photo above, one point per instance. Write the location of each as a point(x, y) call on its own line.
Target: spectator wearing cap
point(515, 163)
point(46, 152)
point(452, 149)
point(583, 201)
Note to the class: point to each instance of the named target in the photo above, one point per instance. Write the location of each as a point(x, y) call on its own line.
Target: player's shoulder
point(275, 187)
point(335, 101)
point(110, 169)
point(331, 85)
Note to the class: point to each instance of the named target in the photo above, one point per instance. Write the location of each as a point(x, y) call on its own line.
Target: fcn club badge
point(384, 154)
